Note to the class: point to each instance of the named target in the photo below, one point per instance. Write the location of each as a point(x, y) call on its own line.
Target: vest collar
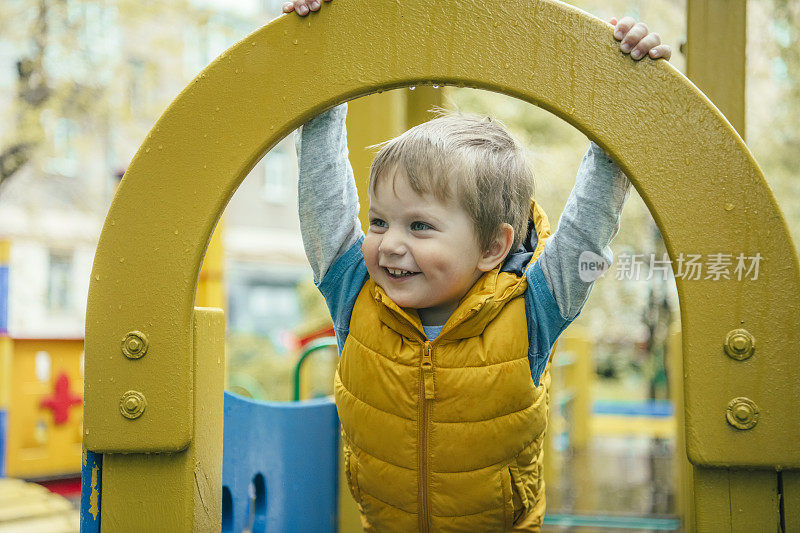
point(484, 300)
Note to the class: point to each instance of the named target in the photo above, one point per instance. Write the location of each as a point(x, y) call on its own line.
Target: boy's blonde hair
point(469, 157)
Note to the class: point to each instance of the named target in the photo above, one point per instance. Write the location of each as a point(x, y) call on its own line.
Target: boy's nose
point(391, 244)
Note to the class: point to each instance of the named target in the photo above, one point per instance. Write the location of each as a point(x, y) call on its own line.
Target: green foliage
point(268, 374)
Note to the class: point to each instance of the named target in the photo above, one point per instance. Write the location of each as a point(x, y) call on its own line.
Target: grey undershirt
point(328, 205)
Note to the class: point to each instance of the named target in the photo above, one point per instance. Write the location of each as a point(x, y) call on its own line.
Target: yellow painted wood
point(579, 377)
point(551, 466)
point(211, 283)
point(370, 121)
point(716, 39)
point(349, 518)
point(6, 353)
point(36, 446)
point(703, 188)
point(572, 372)
point(791, 500)
point(176, 492)
point(420, 101)
point(739, 501)
point(378, 118)
point(683, 471)
point(643, 426)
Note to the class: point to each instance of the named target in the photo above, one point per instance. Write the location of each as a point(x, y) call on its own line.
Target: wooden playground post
point(716, 62)
point(572, 372)
point(211, 282)
point(716, 40)
point(682, 468)
point(177, 491)
point(371, 120)
point(579, 381)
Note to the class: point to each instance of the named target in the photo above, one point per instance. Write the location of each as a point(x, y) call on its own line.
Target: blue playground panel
point(615, 523)
point(90, 523)
point(285, 456)
point(654, 408)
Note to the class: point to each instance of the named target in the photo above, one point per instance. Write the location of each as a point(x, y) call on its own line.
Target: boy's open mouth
point(397, 273)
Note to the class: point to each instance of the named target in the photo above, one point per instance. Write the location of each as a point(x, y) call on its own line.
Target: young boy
point(447, 310)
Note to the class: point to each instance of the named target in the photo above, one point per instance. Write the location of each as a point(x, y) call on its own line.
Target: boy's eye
point(377, 222)
point(419, 226)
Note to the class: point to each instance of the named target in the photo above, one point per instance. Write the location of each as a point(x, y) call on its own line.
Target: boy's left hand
point(302, 7)
point(637, 40)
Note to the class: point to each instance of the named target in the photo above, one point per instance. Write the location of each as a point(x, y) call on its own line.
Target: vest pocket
point(515, 497)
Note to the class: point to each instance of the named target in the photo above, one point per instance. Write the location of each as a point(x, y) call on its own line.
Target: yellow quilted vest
point(445, 435)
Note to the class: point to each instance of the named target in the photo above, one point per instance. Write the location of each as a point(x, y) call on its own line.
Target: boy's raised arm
point(589, 222)
point(327, 195)
point(592, 215)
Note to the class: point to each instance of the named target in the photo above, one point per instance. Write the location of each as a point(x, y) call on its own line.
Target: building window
point(278, 175)
point(59, 293)
point(264, 302)
point(65, 155)
point(137, 90)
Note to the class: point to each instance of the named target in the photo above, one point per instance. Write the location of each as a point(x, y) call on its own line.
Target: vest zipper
point(426, 393)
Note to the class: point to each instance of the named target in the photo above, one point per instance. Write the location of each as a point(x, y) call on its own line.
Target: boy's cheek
point(369, 250)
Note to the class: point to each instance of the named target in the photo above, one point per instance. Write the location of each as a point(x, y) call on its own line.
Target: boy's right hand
point(302, 7)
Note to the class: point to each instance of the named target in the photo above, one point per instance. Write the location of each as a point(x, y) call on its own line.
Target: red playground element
point(61, 400)
point(326, 331)
point(68, 487)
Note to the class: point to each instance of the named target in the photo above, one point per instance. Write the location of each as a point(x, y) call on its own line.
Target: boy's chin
point(401, 300)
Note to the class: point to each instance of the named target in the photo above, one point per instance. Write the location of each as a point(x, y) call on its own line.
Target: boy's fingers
point(613, 21)
point(649, 41)
point(301, 7)
point(633, 37)
point(623, 27)
point(662, 51)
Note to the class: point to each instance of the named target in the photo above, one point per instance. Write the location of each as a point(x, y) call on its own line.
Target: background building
point(81, 83)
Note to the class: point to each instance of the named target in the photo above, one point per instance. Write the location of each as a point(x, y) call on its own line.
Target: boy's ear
point(498, 249)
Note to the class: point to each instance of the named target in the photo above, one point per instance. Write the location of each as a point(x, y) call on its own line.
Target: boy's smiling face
point(424, 253)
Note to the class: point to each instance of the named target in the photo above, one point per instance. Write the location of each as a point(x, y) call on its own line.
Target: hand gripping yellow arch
point(704, 190)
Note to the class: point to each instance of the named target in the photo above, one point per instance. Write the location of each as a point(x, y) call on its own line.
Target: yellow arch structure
point(704, 190)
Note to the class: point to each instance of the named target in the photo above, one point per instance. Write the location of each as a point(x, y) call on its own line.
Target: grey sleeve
point(327, 195)
point(589, 222)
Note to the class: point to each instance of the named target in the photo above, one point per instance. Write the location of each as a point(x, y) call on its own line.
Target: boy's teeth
point(395, 272)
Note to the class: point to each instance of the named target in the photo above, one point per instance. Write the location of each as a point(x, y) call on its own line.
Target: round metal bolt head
point(742, 413)
point(132, 404)
point(739, 344)
point(134, 345)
